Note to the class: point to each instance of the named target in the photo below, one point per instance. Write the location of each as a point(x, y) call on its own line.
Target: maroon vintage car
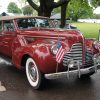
point(31, 43)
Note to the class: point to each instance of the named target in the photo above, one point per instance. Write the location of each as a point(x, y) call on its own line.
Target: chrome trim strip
point(44, 37)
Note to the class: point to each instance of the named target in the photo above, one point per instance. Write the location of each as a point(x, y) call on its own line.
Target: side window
point(0, 25)
point(8, 26)
point(26, 23)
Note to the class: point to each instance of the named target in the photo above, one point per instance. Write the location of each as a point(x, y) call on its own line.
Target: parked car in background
point(33, 43)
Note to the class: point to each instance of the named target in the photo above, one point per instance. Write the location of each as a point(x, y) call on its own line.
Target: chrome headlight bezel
point(54, 49)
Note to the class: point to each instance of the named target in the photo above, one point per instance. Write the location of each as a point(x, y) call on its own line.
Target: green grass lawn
point(89, 30)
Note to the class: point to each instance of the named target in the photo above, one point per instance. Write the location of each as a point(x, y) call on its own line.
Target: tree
point(77, 10)
point(46, 6)
point(13, 8)
point(27, 10)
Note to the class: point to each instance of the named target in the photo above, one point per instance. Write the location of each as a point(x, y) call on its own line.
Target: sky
point(4, 4)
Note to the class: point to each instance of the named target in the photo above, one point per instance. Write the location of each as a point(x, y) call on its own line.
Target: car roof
point(19, 17)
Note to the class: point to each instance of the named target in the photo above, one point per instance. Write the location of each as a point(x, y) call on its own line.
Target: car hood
point(70, 36)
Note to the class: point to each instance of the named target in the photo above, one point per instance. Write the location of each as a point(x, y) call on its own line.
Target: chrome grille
point(88, 59)
point(75, 54)
point(88, 55)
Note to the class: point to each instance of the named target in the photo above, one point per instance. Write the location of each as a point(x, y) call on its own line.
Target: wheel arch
point(24, 59)
point(42, 56)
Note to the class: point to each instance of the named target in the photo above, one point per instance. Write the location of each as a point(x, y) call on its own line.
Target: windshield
point(26, 23)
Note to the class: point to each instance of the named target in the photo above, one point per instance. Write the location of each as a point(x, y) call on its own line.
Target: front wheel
point(34, 76)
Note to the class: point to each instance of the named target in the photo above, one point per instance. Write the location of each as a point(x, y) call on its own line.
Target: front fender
point(41, 54)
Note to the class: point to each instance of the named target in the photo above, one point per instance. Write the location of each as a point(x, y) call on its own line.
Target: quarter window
point(8, 26)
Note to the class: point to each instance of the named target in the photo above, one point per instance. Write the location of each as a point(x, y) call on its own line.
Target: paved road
point(18, 87)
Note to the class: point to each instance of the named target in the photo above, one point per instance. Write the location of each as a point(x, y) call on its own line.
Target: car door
point(9, 34)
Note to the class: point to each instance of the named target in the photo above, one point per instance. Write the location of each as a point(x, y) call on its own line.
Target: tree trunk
point(45, 9)
point(44, 13)
point(63, 15)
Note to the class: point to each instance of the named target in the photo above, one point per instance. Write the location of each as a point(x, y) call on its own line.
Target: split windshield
point(27, 23)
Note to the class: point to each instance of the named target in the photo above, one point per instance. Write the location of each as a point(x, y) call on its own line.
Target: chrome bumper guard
point(68, 73)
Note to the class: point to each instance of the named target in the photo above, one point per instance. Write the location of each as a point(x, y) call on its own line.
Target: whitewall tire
point(33, 74)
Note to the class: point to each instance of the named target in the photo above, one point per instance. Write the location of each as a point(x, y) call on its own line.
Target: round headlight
point(54, 49)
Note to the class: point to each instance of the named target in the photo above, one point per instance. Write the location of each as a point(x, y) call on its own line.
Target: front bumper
point(68, 73)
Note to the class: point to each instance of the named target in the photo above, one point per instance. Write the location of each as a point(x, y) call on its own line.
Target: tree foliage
point(57, 10)
point(95, 3)
point(78, 9)
point(27, 10)
point(13, 8)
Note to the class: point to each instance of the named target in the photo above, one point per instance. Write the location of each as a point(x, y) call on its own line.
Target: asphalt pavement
point(18, 88)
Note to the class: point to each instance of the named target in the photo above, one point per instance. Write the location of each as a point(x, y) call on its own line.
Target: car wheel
point(34, 76)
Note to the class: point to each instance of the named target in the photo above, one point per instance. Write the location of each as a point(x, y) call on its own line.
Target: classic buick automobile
point(31, 44)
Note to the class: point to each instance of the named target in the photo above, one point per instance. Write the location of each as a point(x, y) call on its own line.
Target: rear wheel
point(34, 76)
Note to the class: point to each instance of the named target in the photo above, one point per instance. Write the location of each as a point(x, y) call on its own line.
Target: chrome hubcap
point(32, 72)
